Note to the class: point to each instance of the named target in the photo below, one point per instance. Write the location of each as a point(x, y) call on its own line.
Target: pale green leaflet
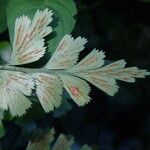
point(61, 71)
point(13, 88)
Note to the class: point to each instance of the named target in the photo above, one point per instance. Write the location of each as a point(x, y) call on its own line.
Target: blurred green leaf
point(5, 50)
point(2, 130)
point(43, 139)
point(63, 23)
point(1, 114)
point(3, 5)
point(86, 147)
point(41, 142)
point(3, 45)
point(63, 142)
point(8, 116)
point(65, 11)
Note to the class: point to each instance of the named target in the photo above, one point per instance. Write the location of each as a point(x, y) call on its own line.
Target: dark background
point(122, 29)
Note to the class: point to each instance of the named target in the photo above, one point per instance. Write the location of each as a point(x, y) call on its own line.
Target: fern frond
point(48, 90)
point(13, 88)
point(66, 54)
point(61, 71)
point(28, 44)
point(105, 77)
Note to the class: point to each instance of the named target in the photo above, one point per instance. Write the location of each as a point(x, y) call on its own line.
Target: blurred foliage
point(43, 141)
point(2, 130)
point(122, 30)
point(5, 50)
point(3, 6)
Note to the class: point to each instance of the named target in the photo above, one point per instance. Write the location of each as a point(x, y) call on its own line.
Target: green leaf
point(63, 23)
point(4, 52)
point(4, 44)
point(2, 130)
point(63, 142)
point(41, 141)
point(66, 22)
point(1, 114)
point(86, 147)
point(3, 5)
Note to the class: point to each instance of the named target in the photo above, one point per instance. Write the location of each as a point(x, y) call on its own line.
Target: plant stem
point(30, 70)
